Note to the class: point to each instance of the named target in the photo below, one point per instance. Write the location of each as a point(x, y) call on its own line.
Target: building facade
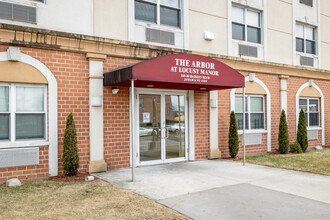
point(55, 56)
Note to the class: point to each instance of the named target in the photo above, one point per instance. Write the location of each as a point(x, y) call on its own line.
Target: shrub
point(302, 131)
point(295, 148)
point(233, 142)
point(70, 149)
point(283, 136)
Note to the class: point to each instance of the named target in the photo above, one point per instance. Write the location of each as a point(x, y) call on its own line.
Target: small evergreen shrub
point(295, 148)
point(233, 142)
point(70, 150)
point(302, 131)
point(283, 136)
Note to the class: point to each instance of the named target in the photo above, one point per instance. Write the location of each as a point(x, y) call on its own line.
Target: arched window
point(257, 109)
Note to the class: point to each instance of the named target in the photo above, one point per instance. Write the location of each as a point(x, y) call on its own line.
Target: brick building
point(50, 67)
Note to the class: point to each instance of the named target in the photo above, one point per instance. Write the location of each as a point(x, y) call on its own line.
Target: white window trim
point(264, 31)
point(158, 24)
point(268, 110)
point(318, 103)
point(184, 24)
point(305, 40)
point(246, 25)
point(248, 96)
point(12, 115)
point(307, 84)
point(27, 3)
point(52, 112)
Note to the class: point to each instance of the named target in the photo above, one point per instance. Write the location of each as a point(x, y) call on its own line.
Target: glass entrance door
point(162, 127)
point(149, 127)
point(175, 126)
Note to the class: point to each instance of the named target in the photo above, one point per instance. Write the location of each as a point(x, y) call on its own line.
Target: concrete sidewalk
point(217, 189)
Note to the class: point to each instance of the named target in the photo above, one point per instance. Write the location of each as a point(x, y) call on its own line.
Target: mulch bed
point(80, 177)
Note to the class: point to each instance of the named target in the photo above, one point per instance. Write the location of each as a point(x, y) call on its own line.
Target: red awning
point(177, 71)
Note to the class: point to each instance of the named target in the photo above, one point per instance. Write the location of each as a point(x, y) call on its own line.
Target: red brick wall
point(116, 120)
point(28, 172)
point(202, 137)
point(71, 73)
point(294, 84)
point(273, 84)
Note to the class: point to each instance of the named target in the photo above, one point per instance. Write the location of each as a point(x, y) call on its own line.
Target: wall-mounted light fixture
point(252, 77)
point(208, 36)
point(214, 103)
point(97, 101)
point(310, 82)
point(115, 91)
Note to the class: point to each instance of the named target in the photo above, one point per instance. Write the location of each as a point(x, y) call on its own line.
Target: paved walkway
point(217, 189)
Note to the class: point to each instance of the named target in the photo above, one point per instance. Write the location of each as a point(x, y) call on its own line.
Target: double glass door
point(162, 127)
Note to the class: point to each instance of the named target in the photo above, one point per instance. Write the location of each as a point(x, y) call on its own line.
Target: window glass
point(29, 126)
point(4, 126)
point(299, 30)
point(257, 120)
point(313, 119)
point(256, 104)
point(253, 35)
point(310, 47)
point(299, 45)
point(239, 104)
point(171, 3)
point(239, 119)
point(4, 99)
point(313, 105)
point(309, 31)
point(169, 16)
point(238, 32)
point(303, 104)
point(238, 15)
point(145, 11)
point(29, 99)
point(253, 18)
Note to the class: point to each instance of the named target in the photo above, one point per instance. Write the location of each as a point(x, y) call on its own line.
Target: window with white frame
point(311, 109)
point(160, 12)
point(254, 112)
point(246, 25)
point(22, 112)
point(305, 39)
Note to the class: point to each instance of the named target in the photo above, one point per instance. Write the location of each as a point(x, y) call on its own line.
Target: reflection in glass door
point(175, 124)
point(150, 127)
point(162, 127)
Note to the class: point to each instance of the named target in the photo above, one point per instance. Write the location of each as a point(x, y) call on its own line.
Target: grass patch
point(314, 161)
point(78, 200)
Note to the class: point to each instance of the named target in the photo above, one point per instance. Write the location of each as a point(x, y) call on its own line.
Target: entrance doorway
point(162, 126)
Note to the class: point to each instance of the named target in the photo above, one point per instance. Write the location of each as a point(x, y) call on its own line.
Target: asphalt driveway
point(217, 189)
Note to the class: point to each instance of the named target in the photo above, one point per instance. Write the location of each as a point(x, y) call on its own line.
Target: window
point(246, 25)
point(305, 39)
point(307, 2)
point(311, 109)
point(254, 112)
point(22, 112)
point(160, 12)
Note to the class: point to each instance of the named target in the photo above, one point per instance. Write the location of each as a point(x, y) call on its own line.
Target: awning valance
point(177, 71)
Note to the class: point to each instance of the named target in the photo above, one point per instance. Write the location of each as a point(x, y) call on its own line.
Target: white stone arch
point(305, 85)
point(268, 100)
point(52, 106)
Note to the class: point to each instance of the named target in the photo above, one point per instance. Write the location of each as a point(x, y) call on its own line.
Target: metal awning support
point(243, 138)
point(132, 129)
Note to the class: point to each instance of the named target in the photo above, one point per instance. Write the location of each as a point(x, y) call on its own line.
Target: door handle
point(166, 132)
